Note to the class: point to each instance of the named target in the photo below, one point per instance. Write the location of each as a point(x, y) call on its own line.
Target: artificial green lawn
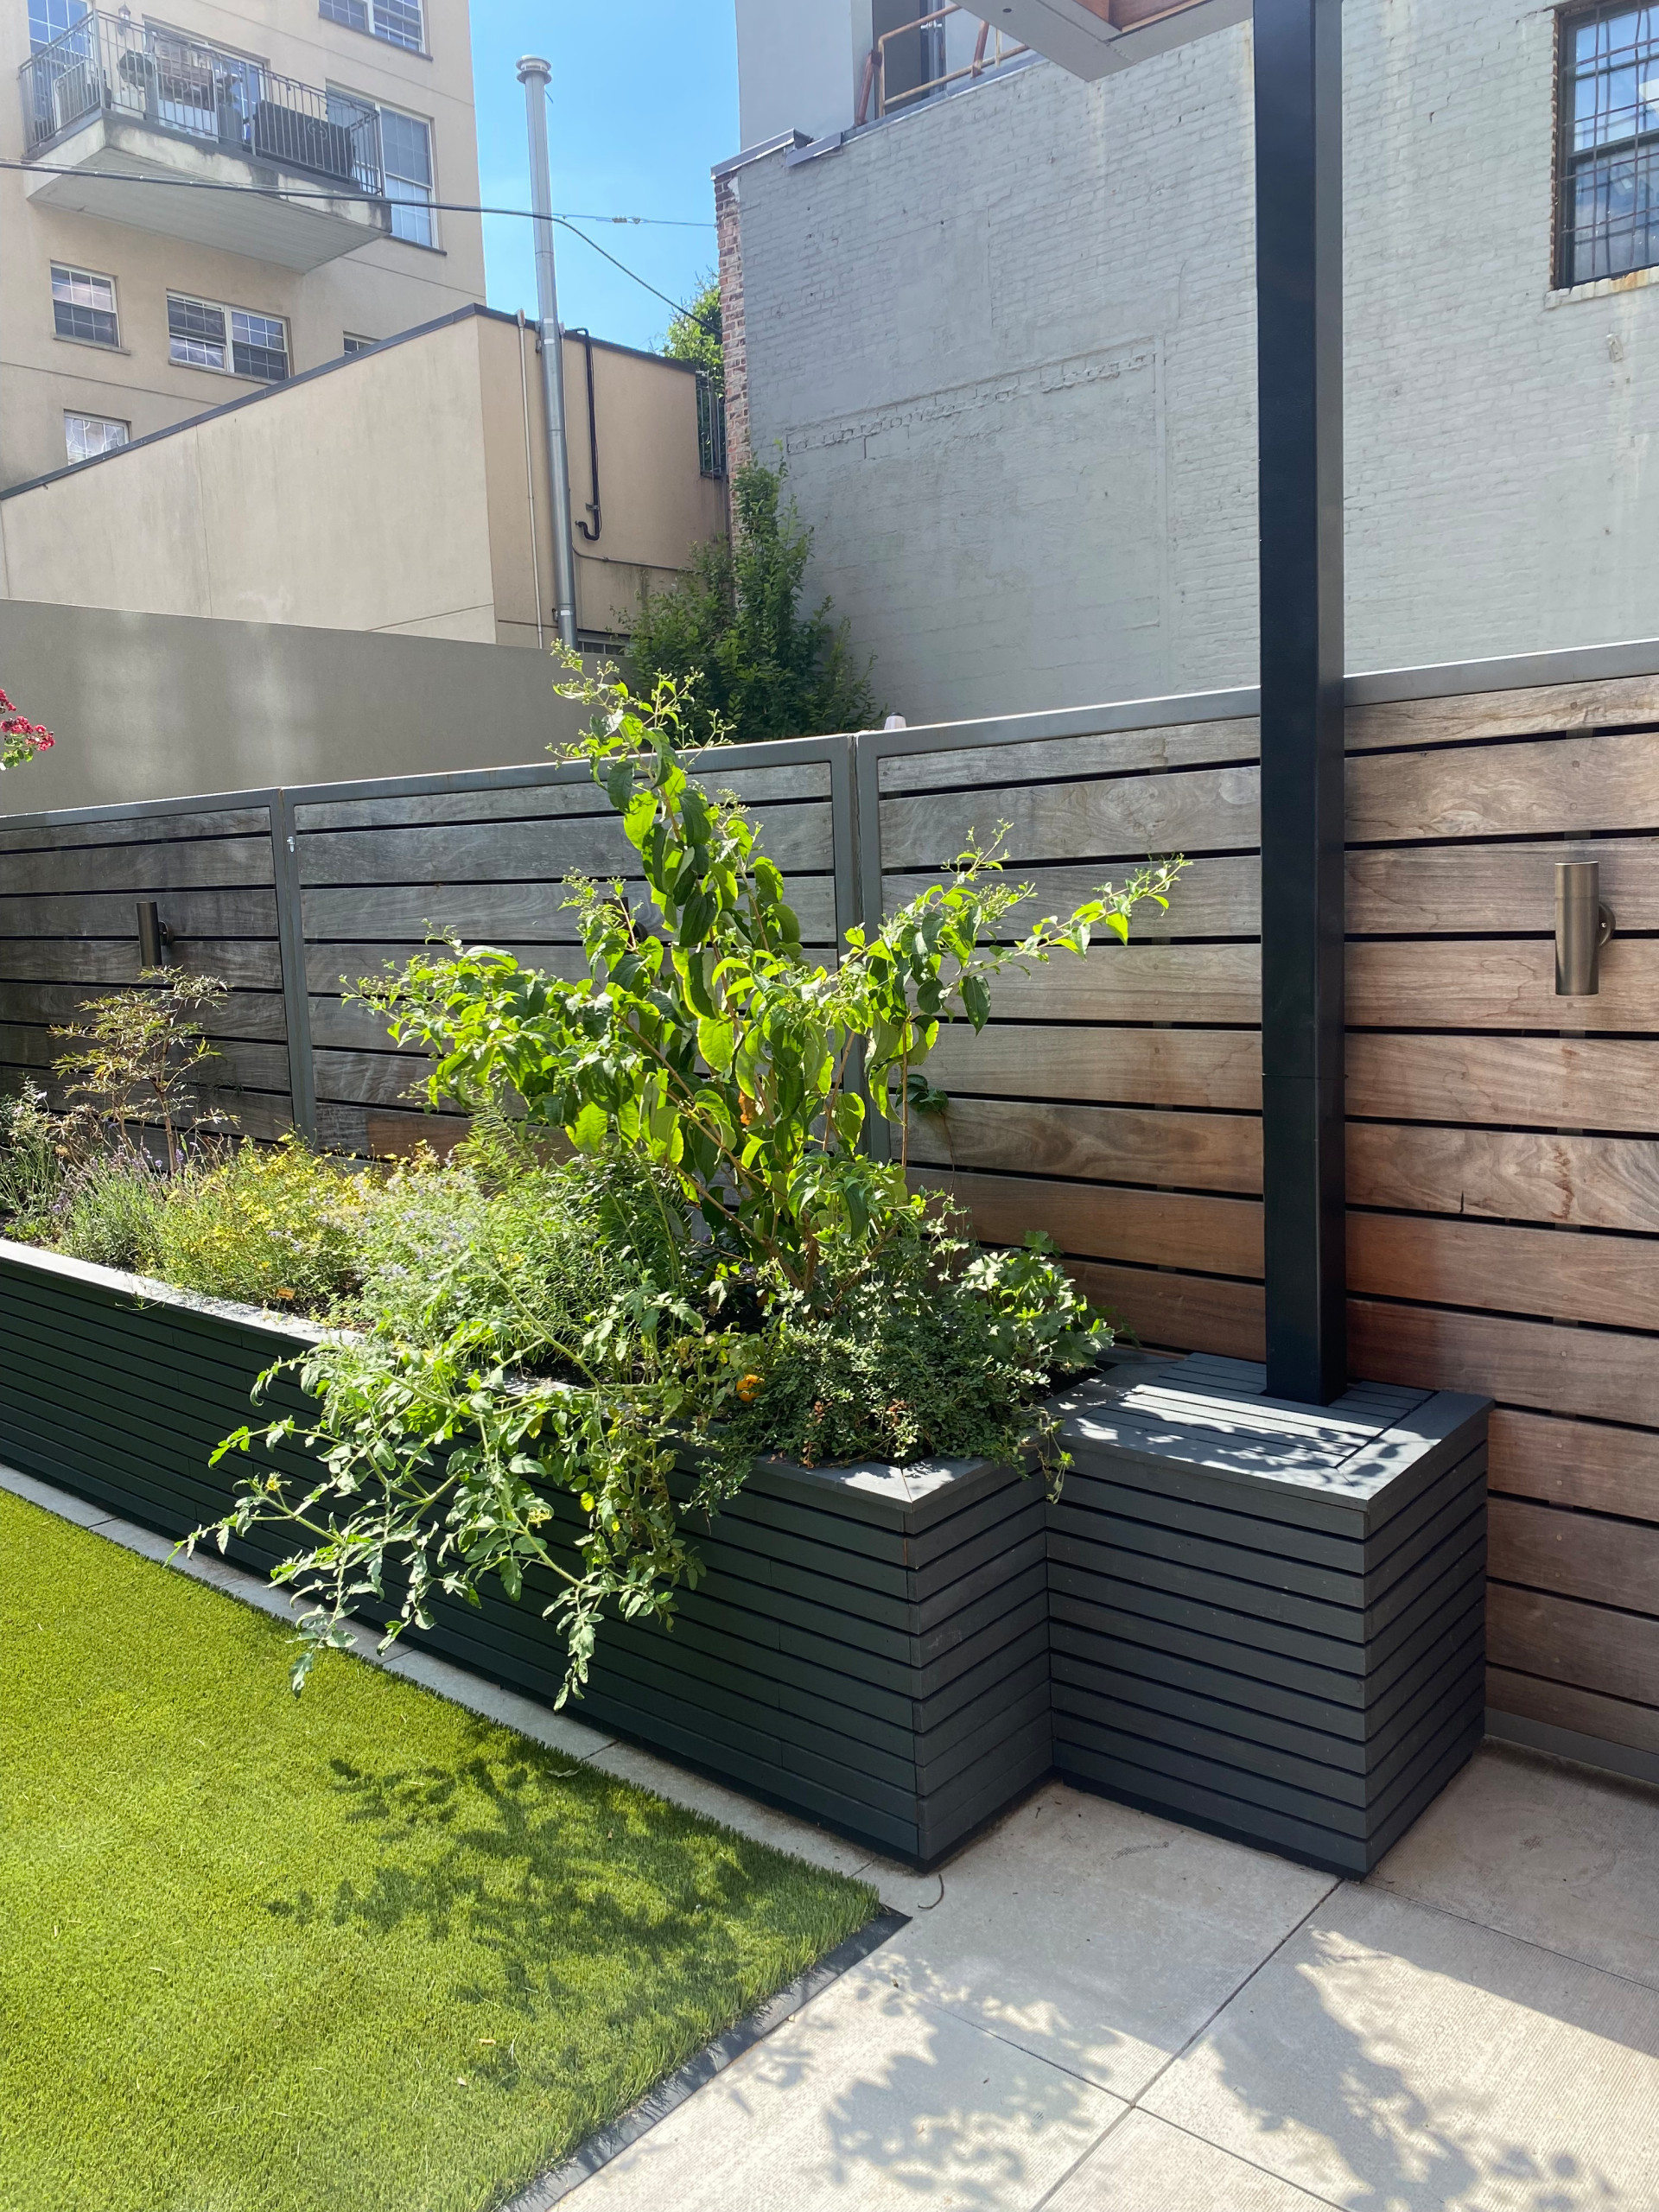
point(359, 1951)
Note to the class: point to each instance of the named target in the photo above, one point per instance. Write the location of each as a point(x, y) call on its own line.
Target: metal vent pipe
point(535, 75)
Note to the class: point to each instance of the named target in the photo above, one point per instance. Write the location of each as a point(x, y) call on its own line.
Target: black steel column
point(1299, 304)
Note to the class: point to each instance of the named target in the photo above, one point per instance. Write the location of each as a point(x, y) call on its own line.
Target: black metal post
point(1298, 306)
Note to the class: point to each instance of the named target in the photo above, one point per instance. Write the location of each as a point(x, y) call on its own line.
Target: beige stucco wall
point(393, 493)
point(657, 503)
point(355, 500)
point(379, 289)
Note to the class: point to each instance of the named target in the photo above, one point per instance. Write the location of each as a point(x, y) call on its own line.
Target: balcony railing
point(133, 73)
point(907, 64)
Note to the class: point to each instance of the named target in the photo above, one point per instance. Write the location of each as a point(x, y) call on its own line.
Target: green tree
point(733, 631)
point(695, 333)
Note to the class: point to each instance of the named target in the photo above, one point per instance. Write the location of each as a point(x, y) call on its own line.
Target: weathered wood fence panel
point(69, 889)
point(1114, 1101)
point(385, 868)
point(1504, 1156)
point(1503, 1152)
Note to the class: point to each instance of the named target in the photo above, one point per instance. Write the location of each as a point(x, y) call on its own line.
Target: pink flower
point(23, 738)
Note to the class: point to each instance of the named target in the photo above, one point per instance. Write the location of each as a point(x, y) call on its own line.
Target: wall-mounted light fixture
point(154, 935)
point(1583, 925)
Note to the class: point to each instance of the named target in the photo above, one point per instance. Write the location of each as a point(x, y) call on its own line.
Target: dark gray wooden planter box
point(1267, 1620)
point(1262, 1620)
point(869, 1646)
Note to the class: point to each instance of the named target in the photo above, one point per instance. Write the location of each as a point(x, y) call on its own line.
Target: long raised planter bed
point(1255, 1618)
point(869, 1646)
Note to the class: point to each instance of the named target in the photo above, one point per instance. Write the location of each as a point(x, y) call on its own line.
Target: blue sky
point(643, 102)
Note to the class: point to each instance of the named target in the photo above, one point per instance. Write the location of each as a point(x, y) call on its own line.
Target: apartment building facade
point(999, 323)
point(208, 203)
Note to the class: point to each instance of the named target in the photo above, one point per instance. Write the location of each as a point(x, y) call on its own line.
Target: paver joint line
point(1136, 2103)
point(1467, 1920)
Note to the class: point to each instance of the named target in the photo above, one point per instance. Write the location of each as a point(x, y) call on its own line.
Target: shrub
point(511, 1264)
point(732, 632)
point(33, 1160)
point(696, 332)
point(109, 1212)
point(139, 1055)
point(280, 1227)
point(706, 1073)
point(928, 1350)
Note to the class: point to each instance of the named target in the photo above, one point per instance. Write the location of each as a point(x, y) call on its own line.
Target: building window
point(711, 426)
point(356, 345)
point(83, 306)
point(397, 21)
point(50, 19)
point(258, 346)
point(405, 163)
point(1609, 162)
point(406, 156)
point(85, 436)
point(202, 334)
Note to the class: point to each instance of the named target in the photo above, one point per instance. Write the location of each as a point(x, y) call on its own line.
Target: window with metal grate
point(1608, 164)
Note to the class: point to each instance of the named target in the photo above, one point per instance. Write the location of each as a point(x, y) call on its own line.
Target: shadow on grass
point(565, 1900)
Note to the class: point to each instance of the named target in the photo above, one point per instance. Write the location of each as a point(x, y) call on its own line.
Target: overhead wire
point(437, 207)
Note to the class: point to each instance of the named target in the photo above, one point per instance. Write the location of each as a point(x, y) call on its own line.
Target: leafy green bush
point(928, 1350)
point(728, 1265)
point(138, 1056)
point(732, 631)
point(514, 1263)
point(697, 332)
point(280, 1227)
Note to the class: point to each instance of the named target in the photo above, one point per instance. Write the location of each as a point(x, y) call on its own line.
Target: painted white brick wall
point(1007, 344)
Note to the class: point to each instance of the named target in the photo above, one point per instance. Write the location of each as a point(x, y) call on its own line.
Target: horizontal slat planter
point(1256, 1618)
point(869, 1646)
point(1267, 1619)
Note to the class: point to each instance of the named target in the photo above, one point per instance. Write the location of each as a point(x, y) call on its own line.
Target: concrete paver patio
point(1095, 2011)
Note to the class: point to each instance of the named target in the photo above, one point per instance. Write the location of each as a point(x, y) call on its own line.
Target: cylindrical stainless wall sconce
point(1583, 925)
point(154, 935)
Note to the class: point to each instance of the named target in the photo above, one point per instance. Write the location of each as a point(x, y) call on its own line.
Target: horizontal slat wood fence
point(69, 887)
point(292, 896)
point(1503, 1167)
point(383, 868)
point(1504, 1143)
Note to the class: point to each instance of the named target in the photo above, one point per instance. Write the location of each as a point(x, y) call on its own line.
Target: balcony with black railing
point(143, 125)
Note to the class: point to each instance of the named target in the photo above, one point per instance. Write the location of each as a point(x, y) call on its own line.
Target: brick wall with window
point(1608, 104)
point(1005, 342)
